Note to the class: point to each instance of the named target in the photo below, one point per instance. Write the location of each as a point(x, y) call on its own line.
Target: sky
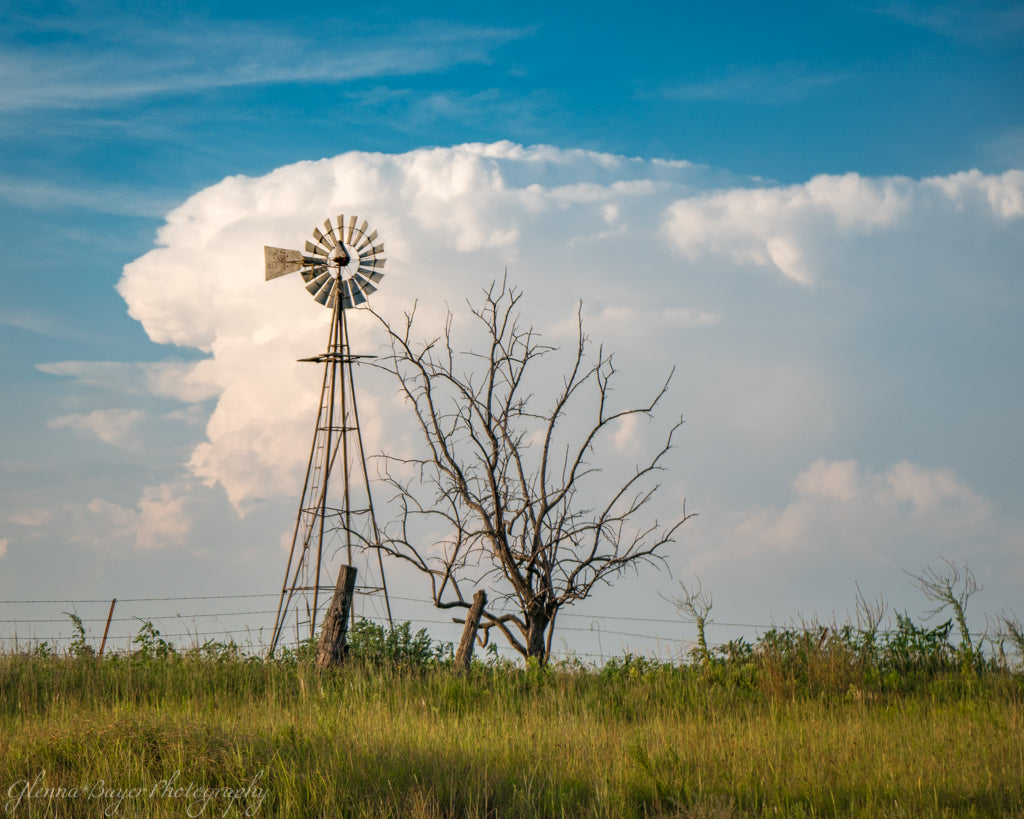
point(813, 212)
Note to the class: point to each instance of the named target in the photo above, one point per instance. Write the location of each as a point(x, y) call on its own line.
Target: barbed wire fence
point(247, 621)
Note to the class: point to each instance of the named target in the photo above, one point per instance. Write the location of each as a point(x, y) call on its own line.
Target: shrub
point(376, 645)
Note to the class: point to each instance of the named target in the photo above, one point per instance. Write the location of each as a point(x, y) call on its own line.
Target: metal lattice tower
point(340, 267)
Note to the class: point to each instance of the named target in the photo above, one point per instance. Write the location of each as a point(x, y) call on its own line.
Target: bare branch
point(516, 520)
point(951, 588)
point(695, 605)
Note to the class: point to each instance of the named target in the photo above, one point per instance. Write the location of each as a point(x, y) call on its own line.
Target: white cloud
point(622, 320)
point(31, 517)
point(452, 220)
point(1004, 194)
point(794, 229)
point(159, 519)
point(769, 376)
point(760, 383)
point(928, 491)
point(3, 546)
point(117, 427)
point(829, 479)
point(628, 436)
point(845, 511)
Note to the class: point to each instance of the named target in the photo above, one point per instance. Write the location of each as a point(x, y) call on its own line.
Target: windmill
point(341, 266)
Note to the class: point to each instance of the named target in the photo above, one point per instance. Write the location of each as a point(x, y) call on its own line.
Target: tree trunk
point(464, 655)
point(536, 639)
point(331, 648)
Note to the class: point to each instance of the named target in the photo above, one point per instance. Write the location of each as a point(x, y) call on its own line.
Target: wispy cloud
point(179, 380)
point(115, 200)
point(40, 324)
point(769, 85)
point(132, 61)
point(973, 20)
point(412, 110)
point(1006, 148)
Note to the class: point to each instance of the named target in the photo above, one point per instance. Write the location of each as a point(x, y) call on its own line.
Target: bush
point(376, 645)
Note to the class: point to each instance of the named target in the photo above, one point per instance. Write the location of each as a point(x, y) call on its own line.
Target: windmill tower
point(341, 266)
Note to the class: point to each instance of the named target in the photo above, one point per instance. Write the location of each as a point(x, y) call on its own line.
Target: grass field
point(162, 733)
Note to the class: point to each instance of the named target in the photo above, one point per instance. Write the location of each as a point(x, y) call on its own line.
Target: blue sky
point(826, 198)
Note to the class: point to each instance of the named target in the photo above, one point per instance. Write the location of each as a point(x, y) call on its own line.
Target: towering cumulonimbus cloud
point(659, 253)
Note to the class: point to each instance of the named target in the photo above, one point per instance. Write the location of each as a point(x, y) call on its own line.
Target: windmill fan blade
point(338, 233)
point(340, 262)
point(372, 275)
point(280, 262)
point(316, 283)
point(365, 284)
point(366, 241)
point(327, 240)
point(312, 271)
point(326, 290)
point(317, 250)
point(346, 296)
point(335, 236)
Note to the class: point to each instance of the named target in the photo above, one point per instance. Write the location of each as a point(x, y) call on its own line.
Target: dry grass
point(504, 742)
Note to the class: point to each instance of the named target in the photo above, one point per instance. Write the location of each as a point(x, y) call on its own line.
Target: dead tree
point(695, 605)
point(952, 588)
point(509, 477)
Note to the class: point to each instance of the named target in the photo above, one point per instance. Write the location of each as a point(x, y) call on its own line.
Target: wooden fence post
point(331, 648)
point(110, 614)
point(464, 655)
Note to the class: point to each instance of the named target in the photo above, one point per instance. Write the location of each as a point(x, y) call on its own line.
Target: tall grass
point(802, 723)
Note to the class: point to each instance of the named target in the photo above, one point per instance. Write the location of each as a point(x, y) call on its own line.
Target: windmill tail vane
point(341, 267)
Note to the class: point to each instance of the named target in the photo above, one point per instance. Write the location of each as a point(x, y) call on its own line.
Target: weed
point(151, 644)
point(79, 646)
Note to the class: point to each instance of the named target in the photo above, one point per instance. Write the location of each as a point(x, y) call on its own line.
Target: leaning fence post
point(106, 629)
point(464, 655)
point(330, 650)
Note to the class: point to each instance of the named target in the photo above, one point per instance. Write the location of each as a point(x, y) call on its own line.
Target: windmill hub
point(343, 263)
point(339, 260)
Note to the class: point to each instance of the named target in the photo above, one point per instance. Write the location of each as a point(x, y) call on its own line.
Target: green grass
point(637, 738)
